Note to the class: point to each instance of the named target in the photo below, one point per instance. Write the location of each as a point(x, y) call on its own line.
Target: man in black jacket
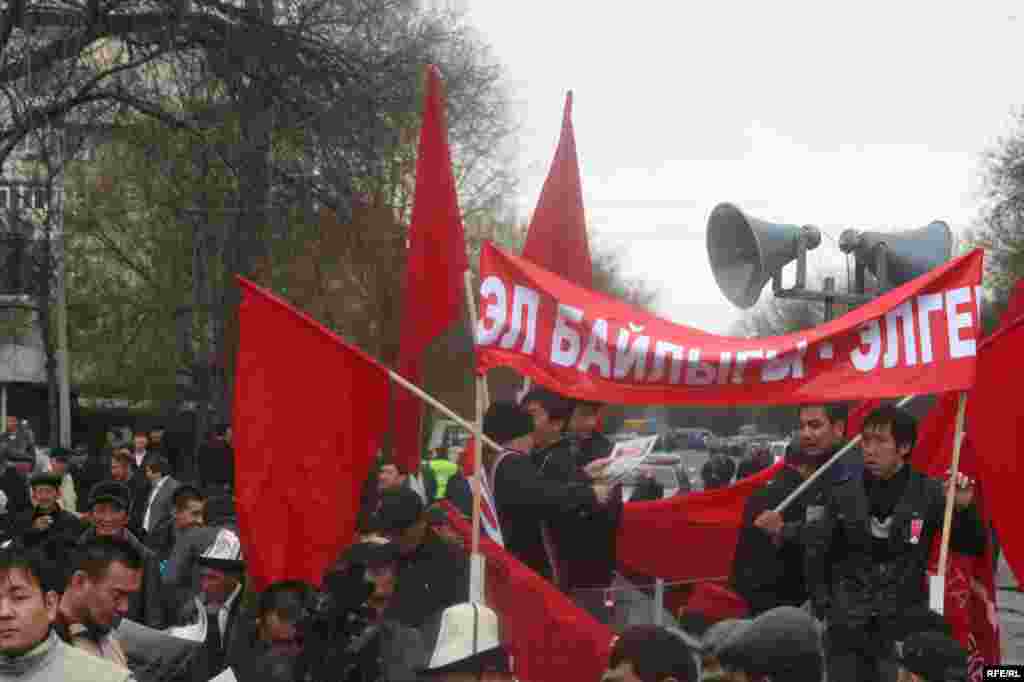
point(46, 524)
point(583, 542)
point(524, 498)
point(868, 547)
point(432, 574)
point(768, 568)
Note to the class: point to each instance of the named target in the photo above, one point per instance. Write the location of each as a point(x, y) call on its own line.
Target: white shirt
point(139, 456)
point(68, 497)
point(222, 614)
point(149, 504)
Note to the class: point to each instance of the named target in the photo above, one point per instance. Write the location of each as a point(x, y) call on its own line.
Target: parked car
point(672, 478)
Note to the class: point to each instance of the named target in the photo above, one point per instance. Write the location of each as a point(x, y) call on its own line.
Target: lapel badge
point(916, 528)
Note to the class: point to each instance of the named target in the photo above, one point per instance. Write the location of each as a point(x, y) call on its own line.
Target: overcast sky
point(871, 115)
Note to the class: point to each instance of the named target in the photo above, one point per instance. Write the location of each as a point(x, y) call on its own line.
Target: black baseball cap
point(399, 509)
point(46, 478)
point(111, 491)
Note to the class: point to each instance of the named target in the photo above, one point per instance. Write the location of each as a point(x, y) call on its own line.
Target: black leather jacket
point(847, 581)
point(584, 539)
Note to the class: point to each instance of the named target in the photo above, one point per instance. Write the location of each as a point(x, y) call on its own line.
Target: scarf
point(34, 659)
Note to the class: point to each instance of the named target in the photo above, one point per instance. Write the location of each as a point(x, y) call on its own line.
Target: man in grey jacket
point(29, 649)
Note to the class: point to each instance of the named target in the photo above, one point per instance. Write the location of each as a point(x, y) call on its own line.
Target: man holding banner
point(867, 548)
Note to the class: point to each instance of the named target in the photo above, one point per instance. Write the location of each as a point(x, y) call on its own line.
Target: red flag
point(707, 523)
point(308, 409)
point(933, 451)
point(549, 638)
point(970, 594)
point(996, 426)
point(433, 290)
point(996, 420)
point(860, 412)
point(994, 435)
point(557, 239)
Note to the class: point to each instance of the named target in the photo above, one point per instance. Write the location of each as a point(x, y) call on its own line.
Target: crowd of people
point(834, 586)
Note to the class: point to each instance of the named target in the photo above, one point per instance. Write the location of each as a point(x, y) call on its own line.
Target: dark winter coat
point(161, 539)
point(525, 500)
point(847, 580)
point(584, 541)
point(432, 578)
point(60, 537)
point(765, 574)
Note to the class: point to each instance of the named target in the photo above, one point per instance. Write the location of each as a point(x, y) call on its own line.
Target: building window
point(39, 194)
point(5, 197)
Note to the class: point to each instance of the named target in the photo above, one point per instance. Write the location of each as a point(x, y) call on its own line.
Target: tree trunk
point(245, 246)
point(43, 266)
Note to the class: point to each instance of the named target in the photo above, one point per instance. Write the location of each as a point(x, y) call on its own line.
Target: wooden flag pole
point(436, 404)
point(467, 284)
point(938, 583)
point(476, 567)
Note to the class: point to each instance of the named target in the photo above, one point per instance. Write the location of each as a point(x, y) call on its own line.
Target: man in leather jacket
point(768, 568)
point(582, 544)
point(868, 540)
point(527, 501)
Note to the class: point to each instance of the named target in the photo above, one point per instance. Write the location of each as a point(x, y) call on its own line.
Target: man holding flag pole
point(868, 544)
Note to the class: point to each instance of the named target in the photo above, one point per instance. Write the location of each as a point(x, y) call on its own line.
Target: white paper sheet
point(937, 593)
point(227, 676)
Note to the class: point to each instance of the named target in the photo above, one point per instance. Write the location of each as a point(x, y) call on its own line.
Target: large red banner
point(918, 338)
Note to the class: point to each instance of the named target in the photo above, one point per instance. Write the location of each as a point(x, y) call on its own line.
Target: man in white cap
point(216, 607)
point(464, 643)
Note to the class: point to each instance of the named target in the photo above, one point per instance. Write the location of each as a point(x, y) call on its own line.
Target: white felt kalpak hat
point(461, 632)
point(225, 552)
